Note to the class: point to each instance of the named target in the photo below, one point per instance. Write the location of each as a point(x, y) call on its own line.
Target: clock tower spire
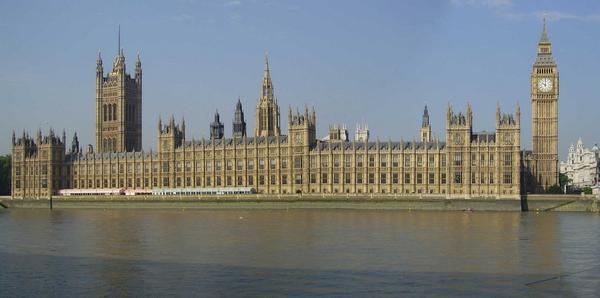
point(544, 115)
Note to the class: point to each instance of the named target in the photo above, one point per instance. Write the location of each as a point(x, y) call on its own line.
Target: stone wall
point(534, 203)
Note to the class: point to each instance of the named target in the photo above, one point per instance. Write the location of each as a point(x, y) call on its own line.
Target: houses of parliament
point(467, 164)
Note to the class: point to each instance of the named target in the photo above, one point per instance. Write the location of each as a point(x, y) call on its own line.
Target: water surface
point(297, 253)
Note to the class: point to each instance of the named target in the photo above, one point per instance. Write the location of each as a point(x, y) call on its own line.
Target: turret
point(498, 112)
point(425, 127)
point(216, 127)
point(170, 136)
point(469, 114)
point(239, 123)
point(508, 128)
point(99, 68)
point(302, 127)
point(362, 133)
point(460, 119)
point(183, 127)
point(338, 132)
point(518, 114)
point(138, 66)
point(138, 72)
point(75, 144)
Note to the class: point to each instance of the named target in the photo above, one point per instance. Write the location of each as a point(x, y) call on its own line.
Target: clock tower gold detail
point(544, 114)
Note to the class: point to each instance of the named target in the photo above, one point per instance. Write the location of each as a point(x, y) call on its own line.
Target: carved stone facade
point(267, 110)
point(467, 164)
point(471, 164)
point(540, 166)
point(118, 107)
point(582, 166)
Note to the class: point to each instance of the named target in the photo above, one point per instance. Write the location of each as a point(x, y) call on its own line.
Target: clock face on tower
point(545, 84)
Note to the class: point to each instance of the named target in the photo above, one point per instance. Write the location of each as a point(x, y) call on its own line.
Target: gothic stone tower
point(508, 146)
point(118, 106)
point(267, 110)
point(302, 136)
point(171, 137)
point(425, 127)
point(544, 110)
point(459, 128)
point(216, 128)
point(239, 124)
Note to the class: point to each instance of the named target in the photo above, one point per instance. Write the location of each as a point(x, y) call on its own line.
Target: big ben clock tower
point(544, 115)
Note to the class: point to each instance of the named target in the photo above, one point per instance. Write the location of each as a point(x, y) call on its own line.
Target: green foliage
point(5, 175)
point(587, 190)
point(554, 189)
point(563, 179)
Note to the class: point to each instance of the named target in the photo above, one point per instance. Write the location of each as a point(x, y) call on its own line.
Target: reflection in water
point(298, 252)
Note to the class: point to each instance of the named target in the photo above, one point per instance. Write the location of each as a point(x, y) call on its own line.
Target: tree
point(5, 175)
point(563, 180)
point(587, 190)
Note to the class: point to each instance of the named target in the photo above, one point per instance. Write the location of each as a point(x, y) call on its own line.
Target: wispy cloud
point(506, 8)
point(485, 3)
point(554, 15)
point(234, 7)
point(233, 3)
point(235, 17)
point(182, 17)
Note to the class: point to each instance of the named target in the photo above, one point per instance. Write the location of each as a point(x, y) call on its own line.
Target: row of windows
point(228, 165)
point(109, 112)
point(109, 145)
point(336, 178)
point(38, 170)
point(41, 183)
point(482, 160)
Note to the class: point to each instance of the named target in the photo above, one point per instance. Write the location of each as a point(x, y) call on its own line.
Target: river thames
point(301, 252)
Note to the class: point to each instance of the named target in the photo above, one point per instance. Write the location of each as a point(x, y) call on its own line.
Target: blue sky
point(377, 62)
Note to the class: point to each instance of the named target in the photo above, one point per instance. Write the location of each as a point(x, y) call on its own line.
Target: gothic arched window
point(114, 108)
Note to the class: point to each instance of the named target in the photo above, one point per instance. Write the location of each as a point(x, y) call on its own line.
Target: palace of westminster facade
point(467, 164)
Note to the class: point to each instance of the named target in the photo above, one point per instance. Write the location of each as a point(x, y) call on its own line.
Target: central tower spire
point(267, 110)
point(267, 84)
